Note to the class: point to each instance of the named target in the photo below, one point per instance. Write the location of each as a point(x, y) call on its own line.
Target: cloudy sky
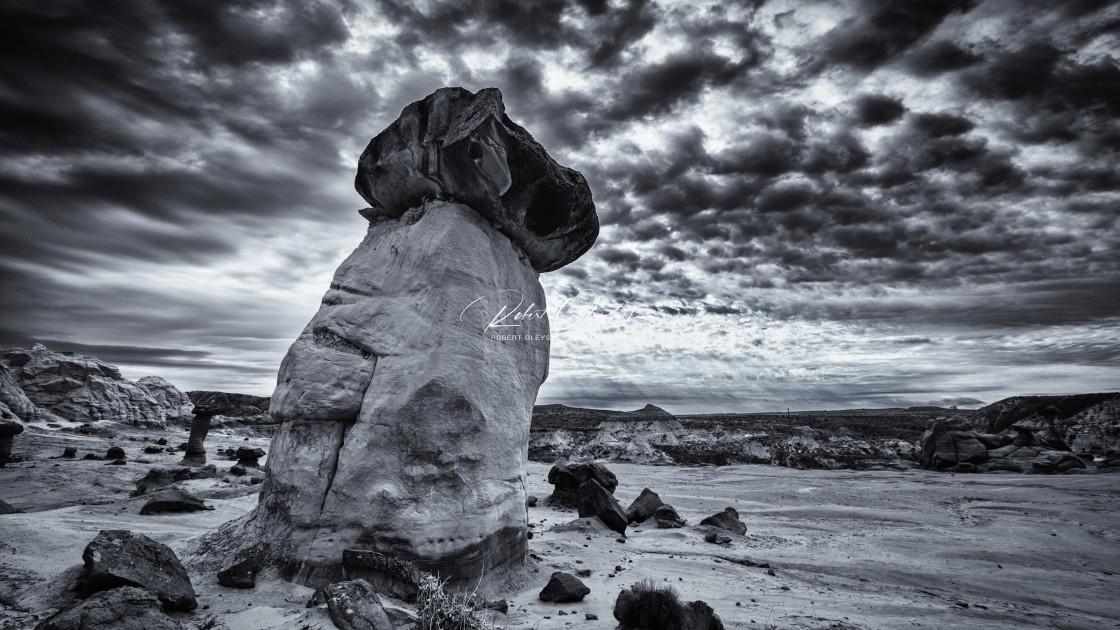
point(803, 204)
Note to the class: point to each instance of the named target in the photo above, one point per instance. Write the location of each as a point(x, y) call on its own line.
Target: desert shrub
point(439, 610)
point(650, 606)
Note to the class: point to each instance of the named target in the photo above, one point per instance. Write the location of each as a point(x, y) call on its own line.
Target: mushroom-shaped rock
point(405, 404)
point(457, 145)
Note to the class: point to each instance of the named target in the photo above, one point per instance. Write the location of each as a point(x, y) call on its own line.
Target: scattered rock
point(238, 469)
point(498, 605)
point(157, 478)
point(567, 477)
point(667, 518)
point(209, 471)
point(354, 605)
point(584, 573)
point(564, 587)
point(162, 441)
point(240, 575)
point(591, 616)
point(119, 557)
point(124, 608)
point(173, 500)
point(727, 519)
point(152, 450)
point(595, 500)
point(70, 452)
point(717, 538)
point(644, 506)
point(531, 501)
point(91, 457)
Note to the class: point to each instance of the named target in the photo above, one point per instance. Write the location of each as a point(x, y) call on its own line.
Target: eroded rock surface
point(457, 145)
point(86, 389)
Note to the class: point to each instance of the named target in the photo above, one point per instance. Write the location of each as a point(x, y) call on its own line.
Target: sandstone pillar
point(405, 403)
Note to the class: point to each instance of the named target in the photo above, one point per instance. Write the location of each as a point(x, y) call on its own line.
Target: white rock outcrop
point(85, 389)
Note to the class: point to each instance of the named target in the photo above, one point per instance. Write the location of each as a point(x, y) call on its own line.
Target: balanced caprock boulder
point(404, 406)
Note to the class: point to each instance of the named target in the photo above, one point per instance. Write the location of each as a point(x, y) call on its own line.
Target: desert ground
point(823, 549)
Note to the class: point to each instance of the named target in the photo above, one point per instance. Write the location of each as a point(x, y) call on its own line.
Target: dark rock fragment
point(727, 519)
point(173, 500)
point(644, 506)
point(240, 575)
point(118, 557)
point(594, 500)
point(124, 608)
point(564, 587)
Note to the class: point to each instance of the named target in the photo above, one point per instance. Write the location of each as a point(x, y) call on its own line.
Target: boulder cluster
point(956, 447)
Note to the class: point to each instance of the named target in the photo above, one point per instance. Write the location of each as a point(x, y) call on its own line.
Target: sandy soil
point(848, 549)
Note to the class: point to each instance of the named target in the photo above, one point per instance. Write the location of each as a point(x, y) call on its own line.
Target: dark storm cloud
point(940, 56)
point(878, 109)
point(656, 88)
point(887, 29)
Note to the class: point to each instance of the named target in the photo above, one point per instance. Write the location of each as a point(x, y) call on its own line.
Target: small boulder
point(124, 608)
point(238, 469)
point(115, 452)
point(564, 587)
point(162, 441)
point(354, 605)
point(594, 500)
point(7, 508)
point(91, 457)
point(728, 519)
point(152, 449)
point(173, 500)
point(667, 518)
point(531, 501)
point(717, 538)
point(160, 478)
point(497, 605)
point(241, 575)
point(249, 454)
point(644, 506)
point(566, 478)
point(70, 452)
point(209, 471)
point(118, 557)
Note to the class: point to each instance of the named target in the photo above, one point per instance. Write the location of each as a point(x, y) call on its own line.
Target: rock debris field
point(823, 549)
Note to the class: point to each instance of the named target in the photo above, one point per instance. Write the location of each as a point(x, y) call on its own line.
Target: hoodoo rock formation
point(405, 404)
